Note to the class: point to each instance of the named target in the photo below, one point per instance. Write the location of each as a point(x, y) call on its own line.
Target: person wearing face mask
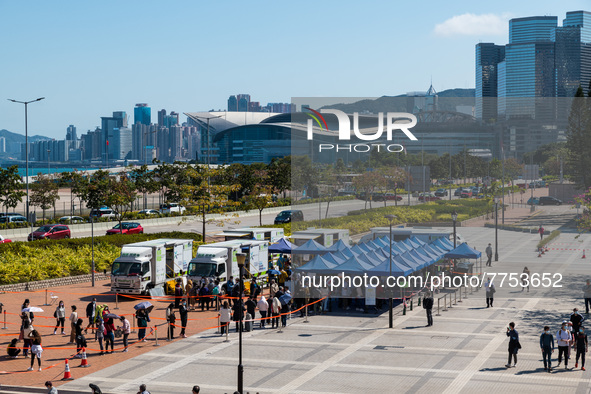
point(582, 347)
point(576, 319)
point(184, 313)
point(60, 315)
point(514, 345)
point(547, 345)
point(563, 338)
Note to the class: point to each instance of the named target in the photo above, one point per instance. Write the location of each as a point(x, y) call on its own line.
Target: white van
point(172, 207)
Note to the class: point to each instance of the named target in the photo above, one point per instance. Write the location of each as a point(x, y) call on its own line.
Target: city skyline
point(88, 64)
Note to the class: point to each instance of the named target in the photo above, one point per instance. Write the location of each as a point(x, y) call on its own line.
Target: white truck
point(271, 234)
point(219, 261)
point(144, 266)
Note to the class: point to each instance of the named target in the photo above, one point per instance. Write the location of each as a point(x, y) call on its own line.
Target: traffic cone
point(84, 363)
point(583, 254)
point(67, 374)
point(539, 253)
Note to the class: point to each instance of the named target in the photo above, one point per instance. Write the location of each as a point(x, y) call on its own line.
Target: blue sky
point(92, 58)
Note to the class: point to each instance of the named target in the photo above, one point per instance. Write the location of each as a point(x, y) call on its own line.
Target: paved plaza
point(464, 352)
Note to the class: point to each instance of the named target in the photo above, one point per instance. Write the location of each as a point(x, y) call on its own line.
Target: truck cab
point(130, 272)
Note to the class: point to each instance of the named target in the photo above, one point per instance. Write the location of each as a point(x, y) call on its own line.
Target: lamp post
point(390, 301)
point(241, 257)
point(207, 140)
point(26, 103)
point(92, 243)
point(496, 229)
point(454, 218)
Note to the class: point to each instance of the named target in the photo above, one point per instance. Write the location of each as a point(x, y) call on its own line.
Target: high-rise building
point(541, 60)
point(120, 144)
point(71, 133)
point(243, 102)
point(161, 116)
point(108, 125)
point(488, 57)
point(232, 104)
point(142, 114)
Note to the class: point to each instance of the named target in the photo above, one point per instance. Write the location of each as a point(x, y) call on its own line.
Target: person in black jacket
point(514, 345)
point(428, 306)
point(547, 345)
point(90, 314)
point(251, 306)
point(184, 313)
point(238, 313)
point(582, 347)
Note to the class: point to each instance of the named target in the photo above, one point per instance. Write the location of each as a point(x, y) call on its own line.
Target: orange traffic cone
point(84, 363)
point(583, 254)
point(539, 253)
point(67, 374)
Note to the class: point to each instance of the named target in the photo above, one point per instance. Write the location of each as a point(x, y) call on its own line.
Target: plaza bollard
point(156, 336)
point(116, 300)
point(460, 295)
point(450, 300)
point(444, 303)
point(411, 304)
point(419, 303)
point(437, 314)
point(455, 297)
point(227, 332)
point(46, 304)
point(4, 328)
point(218, 331)
point(306, 319)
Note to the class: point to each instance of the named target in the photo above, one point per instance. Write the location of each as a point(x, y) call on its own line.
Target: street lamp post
point(454, 218)
point(390, 301)
point(92, 242)
point(496, 229)
point(26, 103)
point(241, 257)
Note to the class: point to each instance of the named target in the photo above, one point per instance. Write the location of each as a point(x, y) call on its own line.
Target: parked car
point(428, 197)
point(4, 240)
point(466, 193)
point(172, 207)
point(533, 201)
point(289, 216)
point(149, 212)
point(458, 192)
point(104, 213)
point(392, 197)
point(50, 231)
point(547, 200)
point(126, 228)
point(71, 219)
point(441, 192)
point(12, 218)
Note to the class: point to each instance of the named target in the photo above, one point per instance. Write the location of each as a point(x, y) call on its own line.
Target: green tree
point(280, 174)
point(121, 194)
point(144, 181)
point(366, 183)
point(78, 183)
point(261, 195)
point(11, 187)
point(44, 193)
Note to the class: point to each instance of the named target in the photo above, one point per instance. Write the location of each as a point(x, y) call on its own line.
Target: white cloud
point(474, 25)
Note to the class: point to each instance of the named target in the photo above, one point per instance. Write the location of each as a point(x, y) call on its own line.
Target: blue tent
point(339, 245)
point(318, 264)
point(410, 243)
point(353, 266)
point(283, 246)
point(310, 247)
point(417, 241)
point(366, 248)
point(434, 250)
point(398, 268)
point(402, 246)
point(336, 260)
point(373, 245)
point(463, 252)
point(357, 250)
point(426, 259)
point(447, 242)
point(417, 262)
point(380, 242)
point(344, 254)
point(444, 244)
point(373, 258)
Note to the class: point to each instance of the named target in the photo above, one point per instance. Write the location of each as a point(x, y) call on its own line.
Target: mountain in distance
point(14, 141)
point(448, 100)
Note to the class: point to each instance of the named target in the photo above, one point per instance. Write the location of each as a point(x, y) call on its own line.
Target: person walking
point(225, 316)
point(90, 314)
point(275, 311)
point(196, 389)
point(490, 292)
point(576, 319)
point(50, 388)
point(587, 295)
point(514, 344)
point(80, 340)
point(60, 315)
point(73, 320)
point(489, 253)
point(26, 328)
point(547, 346)
point(184, 314)
point(428, 306)
point(143, 389)
point(263, 306)
point(563, 339)
point(126, 330)
point(525, 275)
point(100, 334)
point(36, 349)
point(541, 232)
point(582, 347)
